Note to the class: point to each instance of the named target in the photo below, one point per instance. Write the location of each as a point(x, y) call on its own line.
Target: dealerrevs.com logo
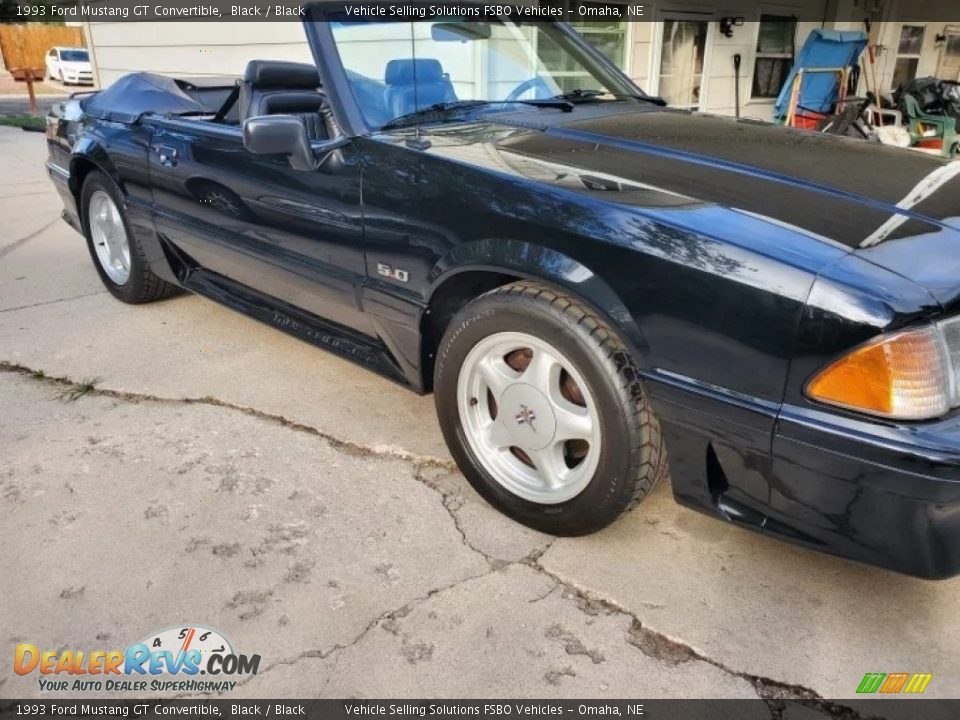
point(169, 660)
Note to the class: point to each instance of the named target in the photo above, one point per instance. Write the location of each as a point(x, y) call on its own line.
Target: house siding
point(188, 49)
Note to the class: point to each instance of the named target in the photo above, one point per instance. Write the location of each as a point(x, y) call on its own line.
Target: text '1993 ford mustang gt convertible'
point(595, 287)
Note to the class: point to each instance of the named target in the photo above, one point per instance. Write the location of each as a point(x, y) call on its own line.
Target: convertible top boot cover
point(138, 94)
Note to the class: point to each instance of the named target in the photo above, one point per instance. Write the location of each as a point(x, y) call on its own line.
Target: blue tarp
point(823, 49)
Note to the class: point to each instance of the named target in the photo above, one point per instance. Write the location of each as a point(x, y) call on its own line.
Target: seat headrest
point(279, 74)
point(280, 103)
point(401, 72)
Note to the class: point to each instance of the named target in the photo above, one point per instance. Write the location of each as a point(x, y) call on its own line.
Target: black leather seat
point(274, 87)
point(413, 84)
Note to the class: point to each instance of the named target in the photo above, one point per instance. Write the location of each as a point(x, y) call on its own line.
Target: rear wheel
point(114, 248)
point(541, 406)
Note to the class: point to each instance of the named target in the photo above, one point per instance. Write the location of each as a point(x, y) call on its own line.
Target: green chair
point(919, 125)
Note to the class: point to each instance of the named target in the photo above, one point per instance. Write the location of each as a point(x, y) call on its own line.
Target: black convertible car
point(595, 287)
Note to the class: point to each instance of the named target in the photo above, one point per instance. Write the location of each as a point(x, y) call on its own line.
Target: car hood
point(78, 65)
point(898, 208)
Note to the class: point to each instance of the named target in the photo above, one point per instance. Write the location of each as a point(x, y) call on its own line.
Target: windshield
point(399, 68)
point(74, 55)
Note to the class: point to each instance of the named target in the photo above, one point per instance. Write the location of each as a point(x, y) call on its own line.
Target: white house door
point(682, 48)
point(949, 67)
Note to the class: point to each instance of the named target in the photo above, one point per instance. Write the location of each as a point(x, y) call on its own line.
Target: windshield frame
point(340, 90)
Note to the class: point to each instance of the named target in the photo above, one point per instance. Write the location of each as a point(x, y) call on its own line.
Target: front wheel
point(541, 405)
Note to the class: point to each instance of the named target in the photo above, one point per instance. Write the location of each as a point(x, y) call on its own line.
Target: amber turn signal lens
point(904, 375)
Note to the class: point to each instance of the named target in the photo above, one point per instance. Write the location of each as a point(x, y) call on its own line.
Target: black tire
point(632, 457)
point(142, 286)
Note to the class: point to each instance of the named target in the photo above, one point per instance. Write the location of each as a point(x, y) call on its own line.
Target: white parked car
point(70, 65)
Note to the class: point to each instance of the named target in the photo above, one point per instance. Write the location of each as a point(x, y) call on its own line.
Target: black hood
point(865, 196)
point(840, 188)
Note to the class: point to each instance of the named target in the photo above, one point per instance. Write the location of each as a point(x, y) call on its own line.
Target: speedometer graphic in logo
point(188, 650)
point(185, 638)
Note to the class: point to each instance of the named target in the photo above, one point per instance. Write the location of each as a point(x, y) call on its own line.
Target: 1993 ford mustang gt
point(595, 287)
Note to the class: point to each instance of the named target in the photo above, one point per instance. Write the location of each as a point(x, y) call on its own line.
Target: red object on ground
point(808, 120)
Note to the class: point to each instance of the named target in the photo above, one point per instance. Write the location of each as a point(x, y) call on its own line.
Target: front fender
point(535, 262)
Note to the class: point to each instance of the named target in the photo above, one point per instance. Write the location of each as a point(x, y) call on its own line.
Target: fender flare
point(551, 267)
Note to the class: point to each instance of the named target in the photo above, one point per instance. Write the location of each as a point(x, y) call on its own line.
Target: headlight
point(909, 375)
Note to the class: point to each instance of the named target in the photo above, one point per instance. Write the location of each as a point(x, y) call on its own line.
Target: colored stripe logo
point(892, 683)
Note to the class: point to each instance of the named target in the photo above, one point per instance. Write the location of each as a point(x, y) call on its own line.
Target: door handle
point(168, 155)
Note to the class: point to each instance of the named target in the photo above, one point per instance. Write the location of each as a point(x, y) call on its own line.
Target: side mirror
point(279, 135)
point(286, 135)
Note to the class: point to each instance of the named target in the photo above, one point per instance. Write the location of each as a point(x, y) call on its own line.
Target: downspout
point(91, 48)
point(736, 84)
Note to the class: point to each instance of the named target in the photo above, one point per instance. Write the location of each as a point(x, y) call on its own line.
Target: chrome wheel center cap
point(528, 415)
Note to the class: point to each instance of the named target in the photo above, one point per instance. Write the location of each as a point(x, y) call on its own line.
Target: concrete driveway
point(178, 463)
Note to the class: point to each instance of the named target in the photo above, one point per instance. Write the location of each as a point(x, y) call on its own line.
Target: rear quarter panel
point(79, 144)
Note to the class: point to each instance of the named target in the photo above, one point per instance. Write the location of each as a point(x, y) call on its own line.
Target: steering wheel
point(536, 83)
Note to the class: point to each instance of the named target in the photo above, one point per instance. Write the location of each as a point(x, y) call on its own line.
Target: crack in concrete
point(345, 446)
point(544, 596)
point(42, 181)
point(19, 242)
point(26, 194)
point(452, 502)
point(53, 302)
point(671, 651)
point(652, 643)
point(337, 648)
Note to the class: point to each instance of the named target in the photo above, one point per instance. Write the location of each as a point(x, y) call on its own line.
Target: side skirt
point(342, 341)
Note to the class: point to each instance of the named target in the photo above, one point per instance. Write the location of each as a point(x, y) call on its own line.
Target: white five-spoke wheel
point(109, 237)
point(542, 406)
point(115, 249)
point(529, 417)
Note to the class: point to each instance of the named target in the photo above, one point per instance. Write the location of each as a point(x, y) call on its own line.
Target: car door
point(295, 236)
